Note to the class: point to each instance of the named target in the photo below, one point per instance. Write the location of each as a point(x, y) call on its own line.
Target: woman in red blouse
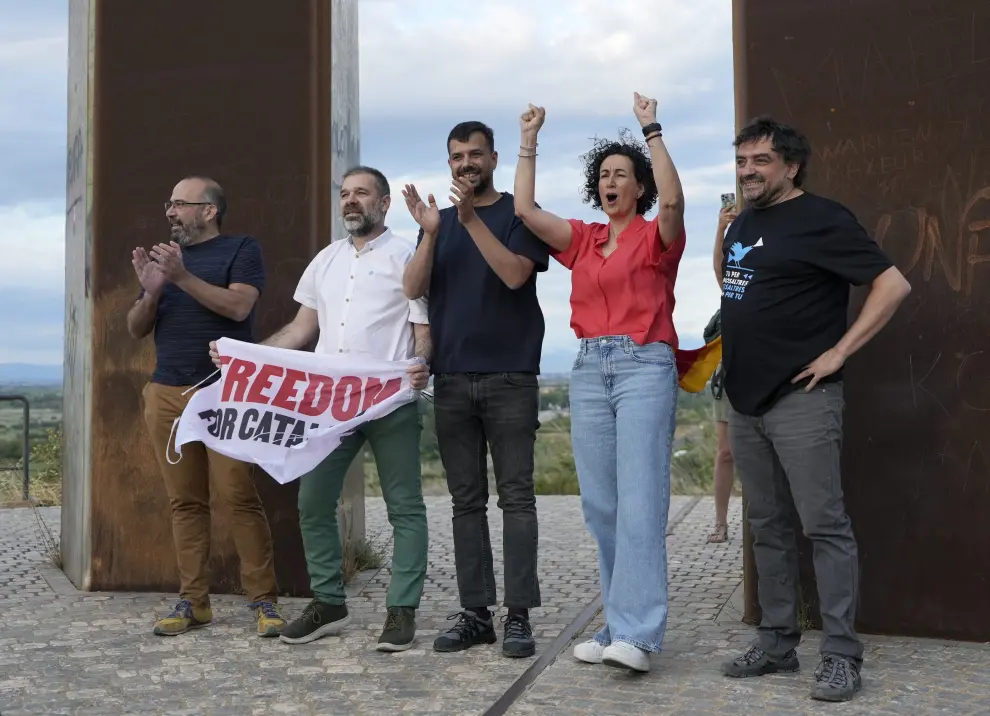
point(623, 390)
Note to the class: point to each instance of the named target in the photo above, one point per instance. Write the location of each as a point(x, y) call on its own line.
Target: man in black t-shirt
point(478, 263)
point(201, 286)
point(787, 262)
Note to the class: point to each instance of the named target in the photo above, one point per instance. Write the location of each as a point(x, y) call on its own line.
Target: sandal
point(719, 534)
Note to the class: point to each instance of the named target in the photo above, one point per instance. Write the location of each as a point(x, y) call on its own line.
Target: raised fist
point(532, 119)
point(645, 109)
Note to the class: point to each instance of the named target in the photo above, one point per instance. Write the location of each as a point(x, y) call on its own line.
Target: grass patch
point(362, 555)
point(692, 463)
point(46, 473)
point(53, 552)
point(553, 459)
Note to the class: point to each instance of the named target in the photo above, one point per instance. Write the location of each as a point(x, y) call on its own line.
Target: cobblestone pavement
point(900, 676)
point(67, 652)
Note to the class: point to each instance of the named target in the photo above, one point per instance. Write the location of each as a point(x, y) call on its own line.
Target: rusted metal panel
point(238, 91)
point(895, 98)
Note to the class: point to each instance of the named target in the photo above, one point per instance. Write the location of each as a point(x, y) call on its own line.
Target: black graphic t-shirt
point(785, 293)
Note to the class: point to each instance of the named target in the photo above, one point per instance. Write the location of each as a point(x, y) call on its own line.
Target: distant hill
point(28, 374)
point(557, 362)
point(555, 365)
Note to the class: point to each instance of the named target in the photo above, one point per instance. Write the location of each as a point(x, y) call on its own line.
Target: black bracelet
point(651, 128)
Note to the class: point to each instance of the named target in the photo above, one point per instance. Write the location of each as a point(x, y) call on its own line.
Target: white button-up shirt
point(358, 296)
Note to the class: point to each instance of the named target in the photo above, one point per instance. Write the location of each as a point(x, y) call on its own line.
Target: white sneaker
point(590, 652)
point(623, 655)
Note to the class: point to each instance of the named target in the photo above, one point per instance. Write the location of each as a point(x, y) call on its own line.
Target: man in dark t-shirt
point(478, 263)
point(786, 263)
point(200, 286)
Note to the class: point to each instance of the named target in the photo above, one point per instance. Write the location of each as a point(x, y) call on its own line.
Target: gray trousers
point(789, 458)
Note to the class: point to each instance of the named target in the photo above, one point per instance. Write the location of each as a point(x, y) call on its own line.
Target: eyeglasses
point(178, 204)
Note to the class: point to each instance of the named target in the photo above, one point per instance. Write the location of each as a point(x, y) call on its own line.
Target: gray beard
point(365, 225)
point(181, 237)
point(361, 227)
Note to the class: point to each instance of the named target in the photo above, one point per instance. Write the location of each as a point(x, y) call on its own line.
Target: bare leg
point(723, 483)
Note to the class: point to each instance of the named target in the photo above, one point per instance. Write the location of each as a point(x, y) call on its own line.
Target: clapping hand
point(427, 216)
point(148, 272)
point(169, 258)
point(462, 196)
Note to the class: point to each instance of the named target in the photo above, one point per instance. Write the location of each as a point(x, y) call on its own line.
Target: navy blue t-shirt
point(477, 323)
point(184, 327)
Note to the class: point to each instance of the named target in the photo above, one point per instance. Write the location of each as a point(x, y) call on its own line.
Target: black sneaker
point(836, 679)
point(400, 628)
point(757, 662)
point(469, 630)
point(518, 639)
point(318, 620)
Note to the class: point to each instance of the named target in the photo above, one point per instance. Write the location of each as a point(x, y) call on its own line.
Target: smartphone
point(728, 200)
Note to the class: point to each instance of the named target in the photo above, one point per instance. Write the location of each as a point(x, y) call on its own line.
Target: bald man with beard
point(200, 286)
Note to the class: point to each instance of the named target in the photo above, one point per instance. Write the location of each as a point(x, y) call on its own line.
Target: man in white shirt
point(351, 294)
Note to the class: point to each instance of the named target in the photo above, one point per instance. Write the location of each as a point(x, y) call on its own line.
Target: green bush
point(692, 466)
point(47, 456)
point(11, 449)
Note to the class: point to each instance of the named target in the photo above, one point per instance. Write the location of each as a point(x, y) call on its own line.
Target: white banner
point(287, 410)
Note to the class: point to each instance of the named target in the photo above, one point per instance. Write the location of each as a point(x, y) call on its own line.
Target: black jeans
point(474, 411)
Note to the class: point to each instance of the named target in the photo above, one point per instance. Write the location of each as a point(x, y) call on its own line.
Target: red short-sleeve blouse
point(630, 293)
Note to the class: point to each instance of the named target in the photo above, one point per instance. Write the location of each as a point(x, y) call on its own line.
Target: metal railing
point(27, 439)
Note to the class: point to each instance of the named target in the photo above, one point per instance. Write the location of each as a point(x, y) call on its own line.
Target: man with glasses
point(200, 286)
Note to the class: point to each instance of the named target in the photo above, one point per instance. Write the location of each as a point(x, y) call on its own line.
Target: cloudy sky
point(426, 66)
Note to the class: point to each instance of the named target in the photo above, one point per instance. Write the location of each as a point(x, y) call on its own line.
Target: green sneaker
point(399, 631)
point(318, 619)
point(183, 618)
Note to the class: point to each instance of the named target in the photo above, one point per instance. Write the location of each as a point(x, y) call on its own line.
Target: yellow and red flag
point(696, 366)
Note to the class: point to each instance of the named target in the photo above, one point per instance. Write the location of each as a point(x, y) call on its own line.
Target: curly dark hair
point(627, 146)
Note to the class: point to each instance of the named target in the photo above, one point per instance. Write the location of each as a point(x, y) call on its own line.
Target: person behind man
point(478, 264)
point(350, 286)
point(724, 467)
point(789, 259)
point(199, 287)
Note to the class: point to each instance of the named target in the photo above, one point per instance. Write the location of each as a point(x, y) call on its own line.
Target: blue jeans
point(623, 404)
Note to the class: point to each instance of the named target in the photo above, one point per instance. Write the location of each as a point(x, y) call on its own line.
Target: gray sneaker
point(518, 640)
point(469, 630)
point(757, 662)
point(836, 679)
